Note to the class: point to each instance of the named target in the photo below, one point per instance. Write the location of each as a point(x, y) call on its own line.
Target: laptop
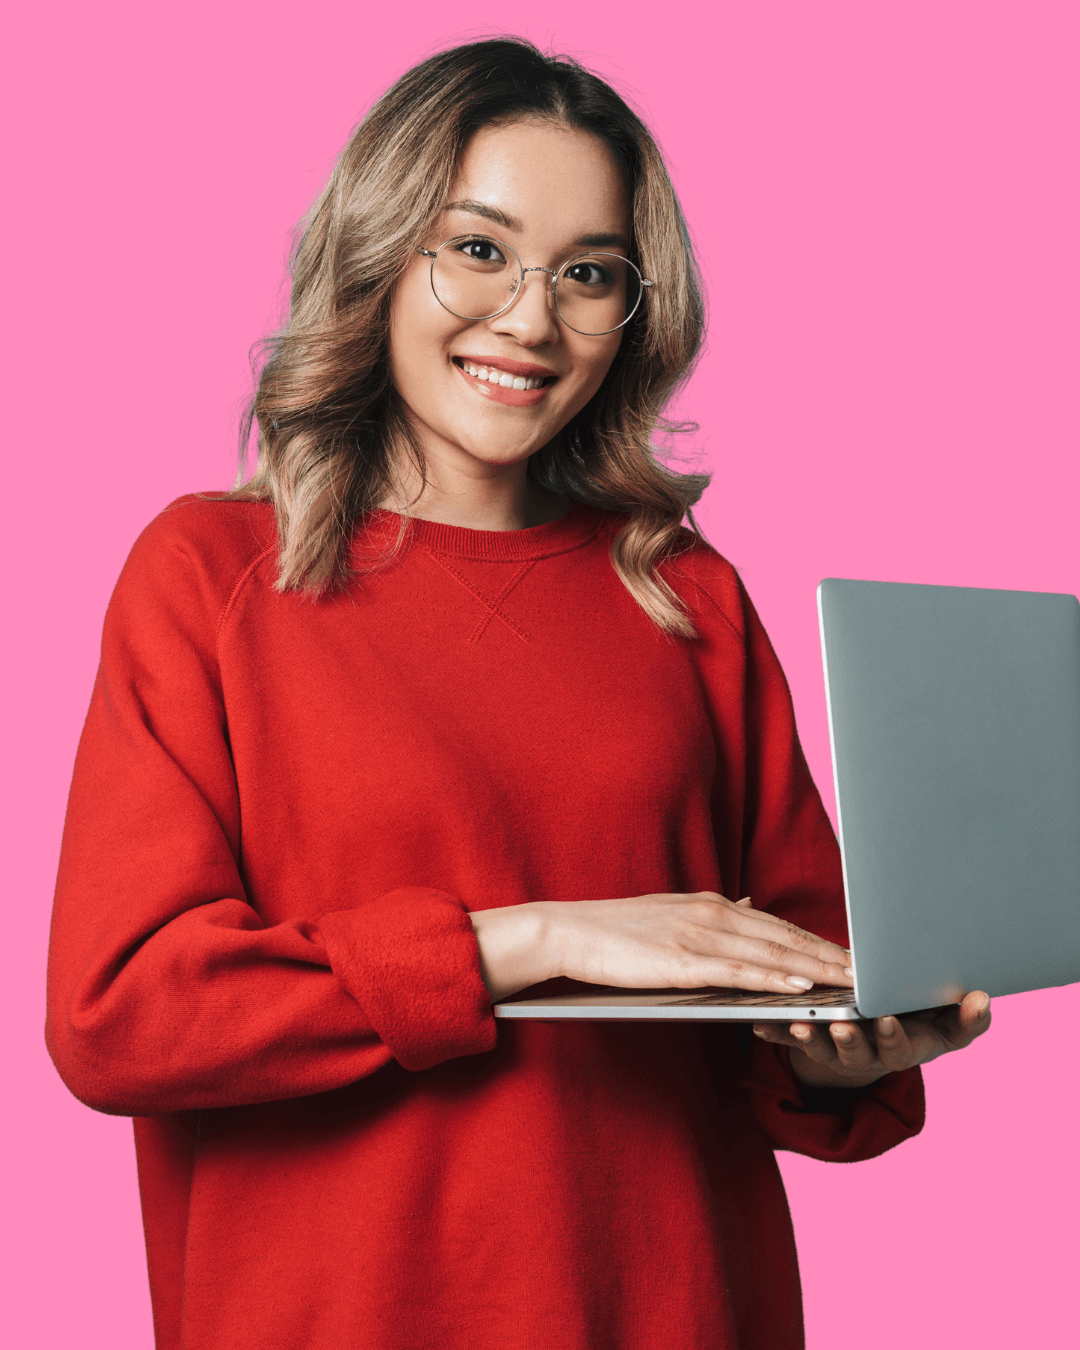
point(954, 722)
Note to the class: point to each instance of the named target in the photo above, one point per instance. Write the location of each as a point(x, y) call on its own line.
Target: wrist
point(810, 1074)
point(516, 947)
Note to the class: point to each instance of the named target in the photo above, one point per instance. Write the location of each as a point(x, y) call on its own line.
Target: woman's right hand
point(663, 941)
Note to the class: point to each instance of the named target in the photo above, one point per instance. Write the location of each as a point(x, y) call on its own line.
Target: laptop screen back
point(954, 716)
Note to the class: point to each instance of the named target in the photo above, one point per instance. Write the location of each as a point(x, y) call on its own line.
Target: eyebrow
point(491, 213)
point(602, 241)
point(508, 222)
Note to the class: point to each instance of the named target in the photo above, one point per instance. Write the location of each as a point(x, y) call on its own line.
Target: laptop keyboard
point(816, 998)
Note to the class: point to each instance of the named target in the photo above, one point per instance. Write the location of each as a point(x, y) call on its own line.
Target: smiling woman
point(445, 703)
point(552, 187)
point(476, 137)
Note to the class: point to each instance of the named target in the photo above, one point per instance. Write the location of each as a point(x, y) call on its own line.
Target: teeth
point(500, 377)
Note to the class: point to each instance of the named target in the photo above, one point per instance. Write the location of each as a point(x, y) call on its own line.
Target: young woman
point(445, 703)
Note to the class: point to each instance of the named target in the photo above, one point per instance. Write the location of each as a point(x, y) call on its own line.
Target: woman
point(443, 704)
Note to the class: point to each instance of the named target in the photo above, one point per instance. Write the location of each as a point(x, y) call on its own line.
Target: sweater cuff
point(834, 1125)
point(411, 961)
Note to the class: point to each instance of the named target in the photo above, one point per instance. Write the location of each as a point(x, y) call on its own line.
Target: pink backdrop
point(886, 206)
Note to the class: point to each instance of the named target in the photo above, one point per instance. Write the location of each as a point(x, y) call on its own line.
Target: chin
point(499, 454)
point(500, 439)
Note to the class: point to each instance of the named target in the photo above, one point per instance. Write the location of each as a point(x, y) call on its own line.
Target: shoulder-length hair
point(329, 423)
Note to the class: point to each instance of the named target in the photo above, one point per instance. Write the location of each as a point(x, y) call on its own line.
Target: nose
point(531, 319)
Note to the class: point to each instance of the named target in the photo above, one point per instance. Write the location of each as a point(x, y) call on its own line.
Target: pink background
point(886, 206)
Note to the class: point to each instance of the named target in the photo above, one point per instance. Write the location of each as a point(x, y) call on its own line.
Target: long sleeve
point(168, 989)
point(832, 1125)
point(778, 847)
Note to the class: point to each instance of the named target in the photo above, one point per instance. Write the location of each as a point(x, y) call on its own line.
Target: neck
point(504, 498)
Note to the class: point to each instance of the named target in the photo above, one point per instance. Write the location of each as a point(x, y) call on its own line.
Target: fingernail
point(759, 1031)
point(803, 1033)
point(985, 1008)
point(799, 982)
point(848, 970)
point(886, 1026)
point(841, 1033)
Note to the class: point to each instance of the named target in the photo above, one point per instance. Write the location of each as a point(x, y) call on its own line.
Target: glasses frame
point(554, 272)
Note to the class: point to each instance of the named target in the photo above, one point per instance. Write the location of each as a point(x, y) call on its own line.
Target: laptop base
point(685, 1005)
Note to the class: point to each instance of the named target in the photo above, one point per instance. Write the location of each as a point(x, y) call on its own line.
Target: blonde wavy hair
point(329, 423)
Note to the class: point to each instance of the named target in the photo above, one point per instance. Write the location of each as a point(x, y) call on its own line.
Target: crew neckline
point(571, 531)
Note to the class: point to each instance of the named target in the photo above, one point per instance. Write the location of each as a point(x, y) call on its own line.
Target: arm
point(788, 859)
point(168, 990)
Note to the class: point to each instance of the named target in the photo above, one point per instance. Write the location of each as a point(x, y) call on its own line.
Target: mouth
point(510, 382)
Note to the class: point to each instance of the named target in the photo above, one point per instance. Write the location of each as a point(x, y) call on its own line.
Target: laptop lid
point(954, 718)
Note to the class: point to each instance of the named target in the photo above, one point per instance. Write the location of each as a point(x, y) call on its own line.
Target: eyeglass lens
point(476, 278)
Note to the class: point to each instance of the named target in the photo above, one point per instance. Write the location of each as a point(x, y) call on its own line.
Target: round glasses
point(475, 277)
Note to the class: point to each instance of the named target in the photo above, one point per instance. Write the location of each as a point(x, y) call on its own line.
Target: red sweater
point(283, 812)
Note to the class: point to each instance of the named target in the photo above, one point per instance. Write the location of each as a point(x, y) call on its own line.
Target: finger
point(854, 1049)
point(776, 1033)
point(814, 1042)
point(728, 972)
point(743, 933)
point(779, 930)
point(973, 1015)
point(942, 1030)
point(800, 938)
point(894, 1049)
point(840, 1044)
point(802, 969)
point(959, 1025)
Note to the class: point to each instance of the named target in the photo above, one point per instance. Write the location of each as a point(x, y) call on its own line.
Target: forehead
point(555, 182)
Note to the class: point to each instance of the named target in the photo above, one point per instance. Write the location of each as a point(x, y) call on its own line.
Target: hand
point(850, 1054)
point(662, 941)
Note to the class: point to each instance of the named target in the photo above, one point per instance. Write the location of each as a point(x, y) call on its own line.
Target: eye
point(590, 272)
point(480, 249)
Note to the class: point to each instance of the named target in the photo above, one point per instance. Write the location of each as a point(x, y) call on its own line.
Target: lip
point(511, 367)
point(496, 393)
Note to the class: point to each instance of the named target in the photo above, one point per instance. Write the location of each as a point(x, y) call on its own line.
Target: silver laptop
point(954, 720)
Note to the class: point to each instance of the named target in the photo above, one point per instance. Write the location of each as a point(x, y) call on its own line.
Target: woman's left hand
point(853, 1054)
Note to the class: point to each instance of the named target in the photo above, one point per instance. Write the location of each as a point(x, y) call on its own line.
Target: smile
point(509, 386)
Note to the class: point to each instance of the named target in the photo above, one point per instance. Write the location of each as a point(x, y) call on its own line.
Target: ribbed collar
point(576, 528)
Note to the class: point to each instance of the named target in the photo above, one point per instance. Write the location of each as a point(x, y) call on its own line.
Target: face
point(550, 194)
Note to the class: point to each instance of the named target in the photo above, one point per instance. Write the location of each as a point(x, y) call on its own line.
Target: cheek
point(419, 326)
point(406, 327)
point(594, 362)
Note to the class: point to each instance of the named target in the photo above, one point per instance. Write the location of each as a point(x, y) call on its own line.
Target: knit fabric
point(284, 810)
